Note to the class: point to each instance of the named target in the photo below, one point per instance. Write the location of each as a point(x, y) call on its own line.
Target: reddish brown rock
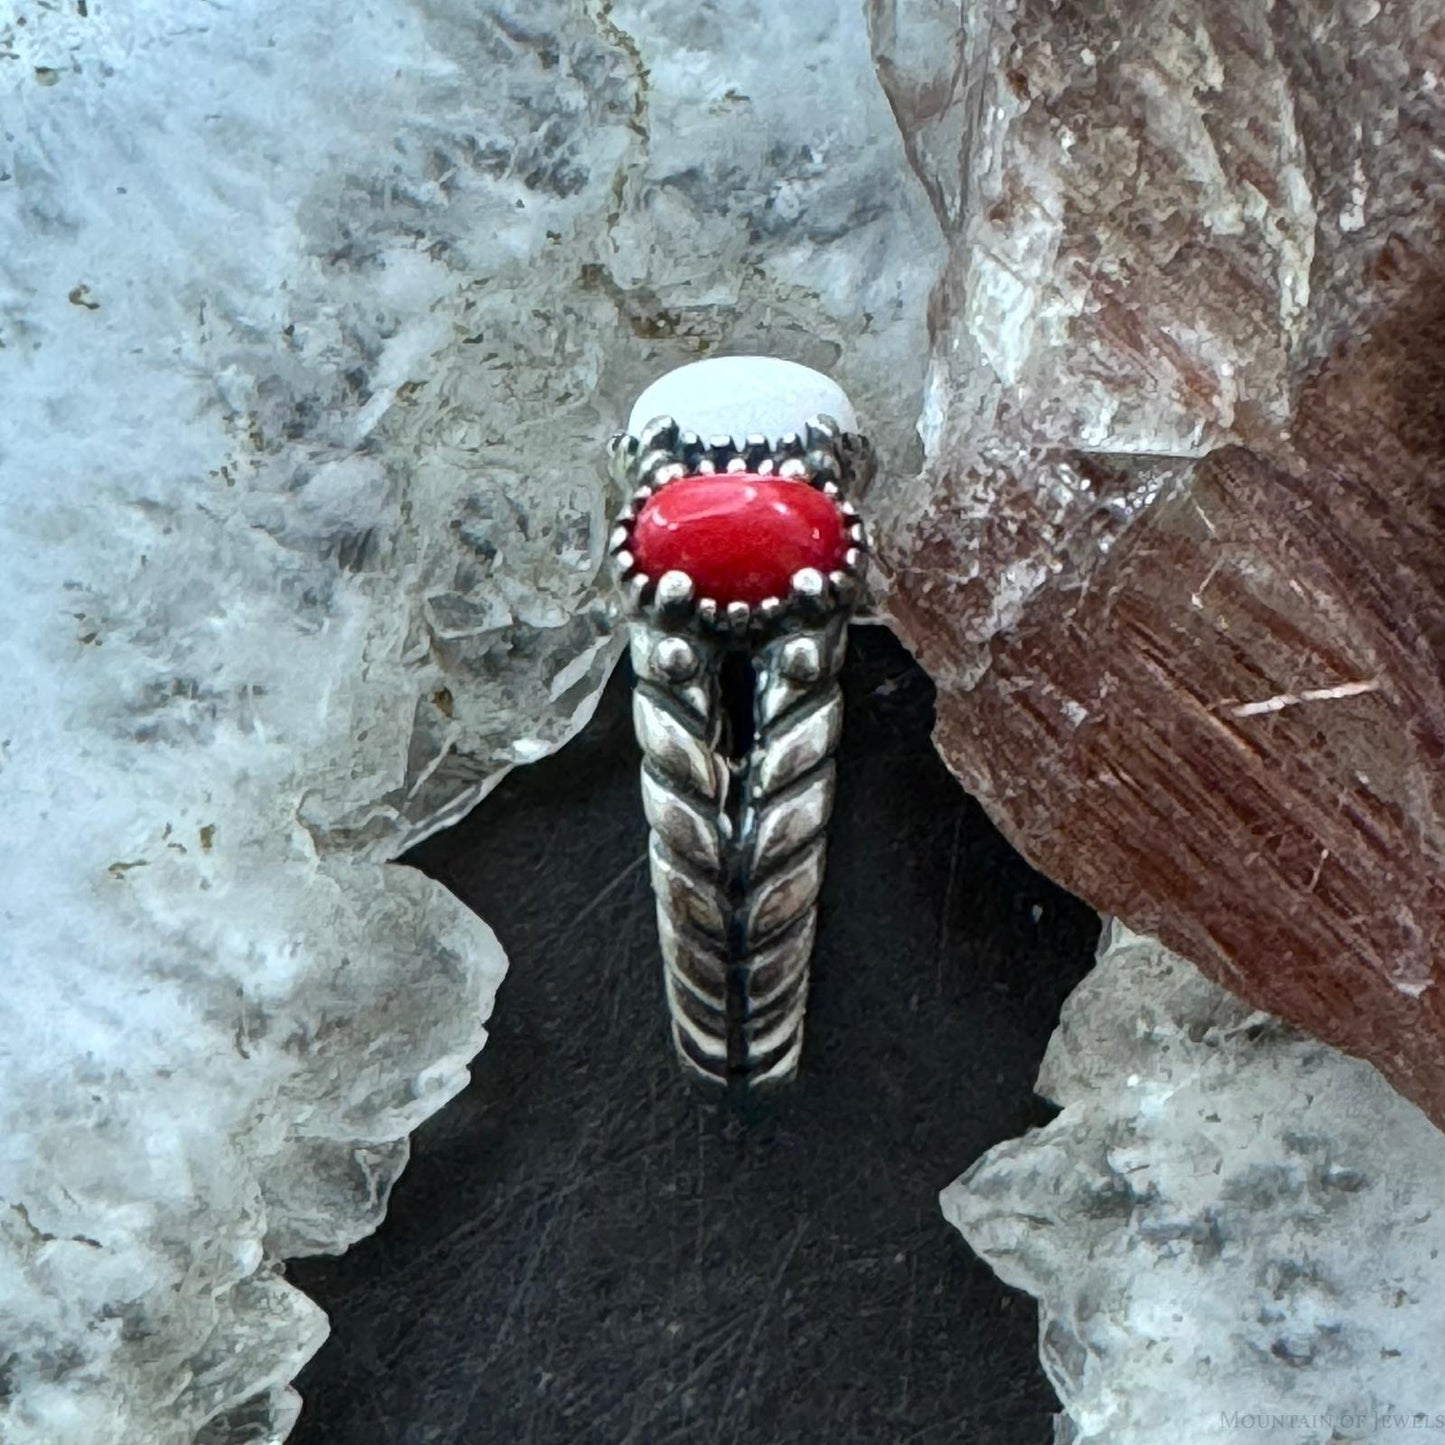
point(1178, 557)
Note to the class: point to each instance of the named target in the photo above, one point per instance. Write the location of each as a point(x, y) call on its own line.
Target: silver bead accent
point(639, 585)
point(809, 590)
point(676, 658)
point(808, 582)
point(674, 591)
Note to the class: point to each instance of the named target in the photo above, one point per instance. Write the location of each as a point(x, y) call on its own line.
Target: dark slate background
point(584, 1249)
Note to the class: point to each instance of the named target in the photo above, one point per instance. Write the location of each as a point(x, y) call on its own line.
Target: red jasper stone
point(740, 537)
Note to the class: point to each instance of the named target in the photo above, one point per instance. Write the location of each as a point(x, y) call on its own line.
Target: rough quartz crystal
point(1174, 560)
point(310, 320)
point(1233, 1230)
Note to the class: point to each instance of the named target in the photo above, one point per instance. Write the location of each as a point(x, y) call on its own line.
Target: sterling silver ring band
point(738, 713)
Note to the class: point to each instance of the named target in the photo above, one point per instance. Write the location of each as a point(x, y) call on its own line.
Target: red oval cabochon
point(740, 537)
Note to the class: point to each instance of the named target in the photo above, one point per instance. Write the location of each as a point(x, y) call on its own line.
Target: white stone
point(313, 324)
point(1233, 1230)
point(738, 395)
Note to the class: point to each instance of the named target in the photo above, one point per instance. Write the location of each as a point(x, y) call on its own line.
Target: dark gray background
point(584, 1249)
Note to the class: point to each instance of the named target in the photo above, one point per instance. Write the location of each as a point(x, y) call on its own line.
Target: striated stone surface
point(311, 321)
point(1233, 1230)
point(1175, 556)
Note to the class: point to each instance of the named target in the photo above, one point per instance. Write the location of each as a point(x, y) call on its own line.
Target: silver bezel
point(821, 456)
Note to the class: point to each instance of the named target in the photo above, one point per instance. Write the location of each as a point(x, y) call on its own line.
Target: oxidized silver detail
point(676, 659)
point(800, 660)
point(738, 824)
point(674, 590)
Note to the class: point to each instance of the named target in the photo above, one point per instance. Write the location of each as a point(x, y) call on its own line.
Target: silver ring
point(740, 563)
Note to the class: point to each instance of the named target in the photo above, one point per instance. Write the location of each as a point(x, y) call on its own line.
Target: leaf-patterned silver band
point(738, 713)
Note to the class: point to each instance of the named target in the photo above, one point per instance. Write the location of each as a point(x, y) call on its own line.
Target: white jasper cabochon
point(740, 395)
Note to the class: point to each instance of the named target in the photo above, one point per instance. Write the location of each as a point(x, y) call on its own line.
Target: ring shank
point(737, 707)
point(738, 845)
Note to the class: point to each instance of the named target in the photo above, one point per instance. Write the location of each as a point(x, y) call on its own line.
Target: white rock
point(313, 323)
point(1234, 1231)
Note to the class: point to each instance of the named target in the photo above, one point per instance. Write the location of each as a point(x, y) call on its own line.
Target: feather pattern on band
point(737, 844)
